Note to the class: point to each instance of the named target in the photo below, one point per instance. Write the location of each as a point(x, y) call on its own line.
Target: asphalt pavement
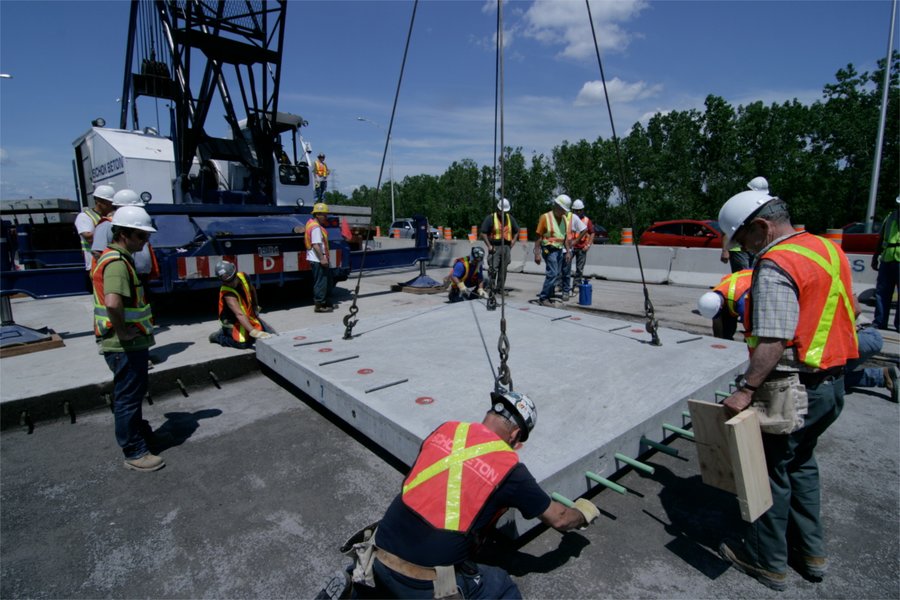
point(261, 486)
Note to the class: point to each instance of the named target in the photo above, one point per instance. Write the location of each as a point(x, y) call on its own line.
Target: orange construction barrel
point(523, 234)
point(448, 233)
point(800, 227)
point(627, 237)
point(395, 232)
point(835, 235)
point(378, 231)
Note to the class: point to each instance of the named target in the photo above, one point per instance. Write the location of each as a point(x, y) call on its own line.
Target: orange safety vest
point(553, 234)
point(732, 287)
point(502, 233)
point(137, 311)
point(247, 299)
point(310, 225)
point(585, 241)
point(467, 274)
point(321, 169)
point(458, 468)
point(826, 331)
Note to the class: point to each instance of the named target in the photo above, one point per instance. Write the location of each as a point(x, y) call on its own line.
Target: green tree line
point(685, 164)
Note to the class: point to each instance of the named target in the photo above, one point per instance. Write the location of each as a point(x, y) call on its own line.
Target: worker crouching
point(238, 310)
point(466, 280)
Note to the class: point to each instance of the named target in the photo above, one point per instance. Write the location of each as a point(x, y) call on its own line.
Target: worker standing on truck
point(801, 333)
point(499, 231)
point(123, 324)
point(318, 256)
point(87, 220)
point(465, 477)
point(320, 175)
point(239, 317)
point(726, 302)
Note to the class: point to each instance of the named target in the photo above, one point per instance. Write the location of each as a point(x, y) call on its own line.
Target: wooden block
point(54, 342)
point(731, 456)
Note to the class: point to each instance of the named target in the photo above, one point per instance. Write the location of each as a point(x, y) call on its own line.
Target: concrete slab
point(598, 383)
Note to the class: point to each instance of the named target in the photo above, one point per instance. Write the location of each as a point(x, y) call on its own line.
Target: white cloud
point(620, 92)
point(4, 156)
point(565, 24)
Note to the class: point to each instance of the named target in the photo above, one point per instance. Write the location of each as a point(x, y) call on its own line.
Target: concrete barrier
point(445, 252)
point(619, 263)
point(697, 267)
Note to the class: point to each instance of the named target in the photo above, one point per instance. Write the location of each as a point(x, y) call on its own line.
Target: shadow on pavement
point(159, 354)
point(504, 553)
point(180, 426)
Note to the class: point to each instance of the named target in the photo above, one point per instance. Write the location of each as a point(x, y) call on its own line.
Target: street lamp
point(391, 171)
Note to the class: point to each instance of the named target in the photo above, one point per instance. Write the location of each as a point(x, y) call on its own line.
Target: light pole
point(391, 171)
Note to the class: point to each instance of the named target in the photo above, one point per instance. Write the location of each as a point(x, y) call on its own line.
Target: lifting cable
point(652, 324)
point(503, 381)
point(349, 319)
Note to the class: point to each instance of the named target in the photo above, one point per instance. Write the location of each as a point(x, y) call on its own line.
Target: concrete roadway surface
point(261, 488)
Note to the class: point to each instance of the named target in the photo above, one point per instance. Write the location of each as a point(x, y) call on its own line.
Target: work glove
point(461, 286)
point(482, 293)
point(588, 509)
point(875, 262)
point(259, 334)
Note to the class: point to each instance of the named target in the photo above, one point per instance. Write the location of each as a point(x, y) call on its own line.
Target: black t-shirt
point(487, 226)
point(409, 536)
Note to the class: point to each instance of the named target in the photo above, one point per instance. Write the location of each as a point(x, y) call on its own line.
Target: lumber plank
point(711, 440)
point(54, 342)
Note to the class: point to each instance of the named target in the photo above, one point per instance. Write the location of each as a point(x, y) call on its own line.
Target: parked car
point(407, 229)
point(857, 241)
point(687, 233)
point(601, 236)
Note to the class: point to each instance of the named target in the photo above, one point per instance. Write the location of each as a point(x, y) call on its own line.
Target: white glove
point(588, 509)
point(259, 334)
point(482, 293)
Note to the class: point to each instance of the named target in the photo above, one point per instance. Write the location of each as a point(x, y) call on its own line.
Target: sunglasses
point(142, 235)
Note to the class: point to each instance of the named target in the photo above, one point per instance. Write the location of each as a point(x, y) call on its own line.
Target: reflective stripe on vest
point(502, 233)
point(468, 273)
point(732, 287)
point(458, 468)
point(245, 299)
point(554, 235)
point(321, 169)
point(95, 218)
point(310, 225)
point(138, 314)
point(891, 245)
point(585, 241)
point(826, 331)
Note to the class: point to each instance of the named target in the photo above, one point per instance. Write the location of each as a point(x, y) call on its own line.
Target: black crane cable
point(349, 319)
point(652, 324)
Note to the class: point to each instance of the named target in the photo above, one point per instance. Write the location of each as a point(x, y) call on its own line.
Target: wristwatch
point(742, 384)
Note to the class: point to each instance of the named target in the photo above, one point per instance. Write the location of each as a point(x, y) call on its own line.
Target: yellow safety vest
point(138, 313)
point(554, 234)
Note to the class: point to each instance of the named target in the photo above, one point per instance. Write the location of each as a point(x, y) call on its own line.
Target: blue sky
point(342, 60)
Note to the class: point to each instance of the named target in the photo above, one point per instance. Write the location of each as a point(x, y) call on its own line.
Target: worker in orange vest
point(318, 255)
point(499, 231)
point(801, 333)
point(320, 176)
point(466, 279)
point(725, 303)
point(239, 317)
point(465, 477)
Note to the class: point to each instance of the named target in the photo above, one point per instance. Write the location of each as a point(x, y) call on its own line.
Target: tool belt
point(810, 380)
point(444, 577)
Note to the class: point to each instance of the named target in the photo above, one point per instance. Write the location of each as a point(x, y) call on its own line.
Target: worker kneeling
point(465, 477)
point(238, 310)
point(466, 280)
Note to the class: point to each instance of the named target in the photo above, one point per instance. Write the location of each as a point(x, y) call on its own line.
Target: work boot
point(214, 337)
point(321, 308)
point(770, 579)
point(146, 463)
point(812, 568)
point(890, 382)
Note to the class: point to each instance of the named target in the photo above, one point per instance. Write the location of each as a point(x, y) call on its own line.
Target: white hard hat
point(709, 304)
point(518, 406)
point(133, 217)
point(564, 202)
point(759, 184)
point(478, 253)
point(503, 205)
point(225, 270)
point(127, 198)
point(578, 205)
point(739, 209)
point(104, 192)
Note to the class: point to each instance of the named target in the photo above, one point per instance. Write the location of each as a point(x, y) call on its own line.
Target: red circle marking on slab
point(574, 318)
point(524, 308)
point(324, 349)
point(424, 400)
point(299, 337)
point(718, 346)
point(365, 371)
point(637, 331)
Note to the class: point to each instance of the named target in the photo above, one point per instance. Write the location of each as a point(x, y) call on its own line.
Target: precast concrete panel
point(598, 383)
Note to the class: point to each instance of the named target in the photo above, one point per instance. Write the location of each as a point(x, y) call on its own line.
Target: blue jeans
point(888, 281)
point(567, 273)
point(129, 388)
point(488, 582)
point(553, 260)
point(870, 344)
point(322, 284)
point(793, 521)
point(320, 190)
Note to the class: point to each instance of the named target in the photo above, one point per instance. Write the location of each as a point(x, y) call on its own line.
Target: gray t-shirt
point(103, 238)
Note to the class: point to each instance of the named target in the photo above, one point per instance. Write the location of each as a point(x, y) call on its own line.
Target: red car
point(857, 241)
point(685, 233)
